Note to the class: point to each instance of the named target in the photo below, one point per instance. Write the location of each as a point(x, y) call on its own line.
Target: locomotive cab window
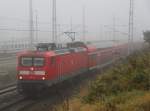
point(38, 61)
point(26, 61)
point(32, 61)
point(93, 57)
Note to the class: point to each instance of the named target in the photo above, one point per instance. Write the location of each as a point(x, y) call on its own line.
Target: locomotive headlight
point(20, 77)
point(24, 72)
point(39, 72)
point(43, 78)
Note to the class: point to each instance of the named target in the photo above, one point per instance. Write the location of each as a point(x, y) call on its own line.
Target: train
point(49, 65)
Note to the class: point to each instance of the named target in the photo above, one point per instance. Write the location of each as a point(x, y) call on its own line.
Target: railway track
point(8, 89)
point(7, 62)
point(17, 104)
point(10, 100)
point(7, 58)
point(5, 55)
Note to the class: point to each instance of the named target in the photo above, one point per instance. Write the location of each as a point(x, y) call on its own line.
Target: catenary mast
point(131, 27)
point(31, 44)
point(54, 23)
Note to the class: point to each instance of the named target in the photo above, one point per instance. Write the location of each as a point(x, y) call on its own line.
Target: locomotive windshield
point(26, 61)
point(38, 61)
point(32, 61)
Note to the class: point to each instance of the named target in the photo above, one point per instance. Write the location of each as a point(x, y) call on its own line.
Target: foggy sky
point(14, 14)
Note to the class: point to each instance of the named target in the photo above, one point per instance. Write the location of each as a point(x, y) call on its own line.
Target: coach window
point(94, 57)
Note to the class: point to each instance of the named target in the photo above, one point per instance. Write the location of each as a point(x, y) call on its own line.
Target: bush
point(131, 75)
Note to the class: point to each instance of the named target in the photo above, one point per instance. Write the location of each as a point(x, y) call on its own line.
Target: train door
point(99, 59)
point(59, 69)
point(92, 61)
point(52, 68)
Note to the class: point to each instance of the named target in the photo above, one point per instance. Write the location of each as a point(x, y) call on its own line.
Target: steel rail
point(8, 89)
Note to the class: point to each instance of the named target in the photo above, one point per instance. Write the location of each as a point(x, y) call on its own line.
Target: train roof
point(37, 53)
point(51, 49)
point(52, 52)
point(46, 46)
point(91, 48)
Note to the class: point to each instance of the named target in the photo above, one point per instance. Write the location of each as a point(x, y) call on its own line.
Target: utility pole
point(131, 27)
point(101, 32)
point(71, 24)
point(114, 29)
point(83, 27)
point(58, 30)
point(54, 23)
point(31, 24)
point(36, 17)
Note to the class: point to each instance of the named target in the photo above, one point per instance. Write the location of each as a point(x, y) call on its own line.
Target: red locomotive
point(49, 65)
